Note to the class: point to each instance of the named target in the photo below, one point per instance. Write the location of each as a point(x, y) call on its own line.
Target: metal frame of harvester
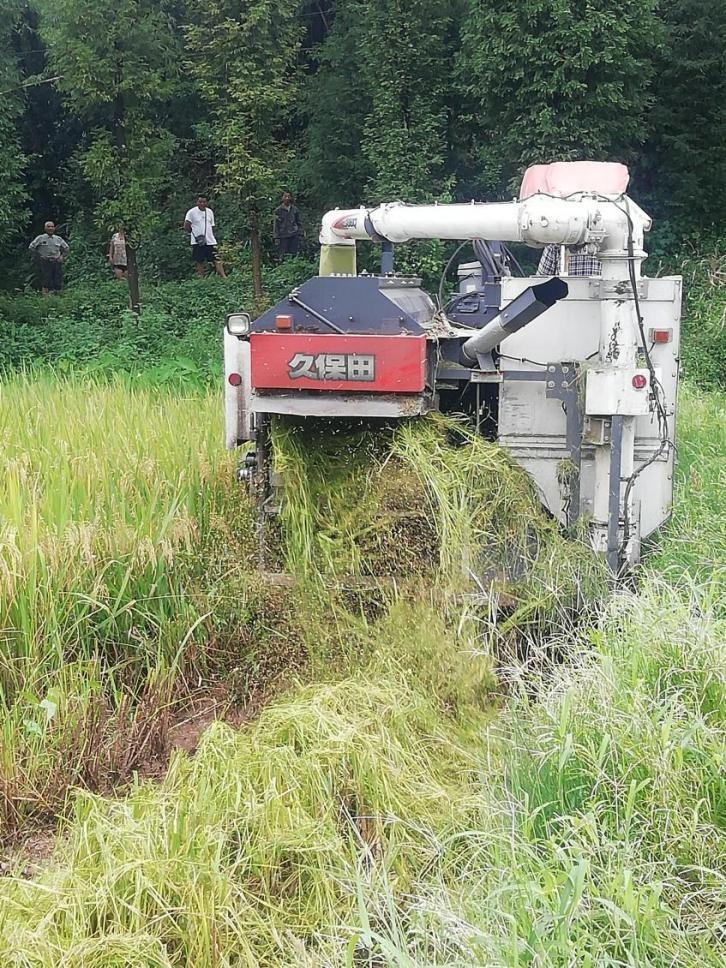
point(576, 376)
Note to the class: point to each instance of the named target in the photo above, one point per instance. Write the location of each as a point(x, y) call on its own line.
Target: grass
point(395, 807)
point(272, 826)
point(695, 545)
point(104, 489)
point(704, 315)
point(359, 822)
point(126, 565)
point(110, 499)
point(428, 499)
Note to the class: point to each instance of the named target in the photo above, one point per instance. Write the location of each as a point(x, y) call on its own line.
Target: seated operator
point(577, 262)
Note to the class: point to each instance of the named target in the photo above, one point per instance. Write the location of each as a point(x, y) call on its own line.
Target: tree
point(49, 134)
point(243, 55)
point(406, 50)
point(13, 212)
point(118, 64)
point(547, 80)
point(336, 103)
point(688, 144)
point(380, 103)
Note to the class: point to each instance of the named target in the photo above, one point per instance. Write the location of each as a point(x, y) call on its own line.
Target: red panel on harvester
point(369, 364)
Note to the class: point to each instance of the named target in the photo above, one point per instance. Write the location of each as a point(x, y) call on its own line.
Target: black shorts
point(51, 274)
point(204, 253)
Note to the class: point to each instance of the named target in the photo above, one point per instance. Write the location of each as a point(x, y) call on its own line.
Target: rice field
point(108, 498)
point(426, 786)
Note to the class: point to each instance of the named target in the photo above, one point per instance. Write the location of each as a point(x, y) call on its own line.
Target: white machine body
point(532, 425)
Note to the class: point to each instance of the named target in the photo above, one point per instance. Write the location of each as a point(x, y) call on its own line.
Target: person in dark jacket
point(288, 226)
point(50, 250)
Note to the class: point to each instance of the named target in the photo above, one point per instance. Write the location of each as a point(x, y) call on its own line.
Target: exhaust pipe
point(527, 306)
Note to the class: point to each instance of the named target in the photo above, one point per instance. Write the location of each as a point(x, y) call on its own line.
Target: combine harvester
point(575, 376)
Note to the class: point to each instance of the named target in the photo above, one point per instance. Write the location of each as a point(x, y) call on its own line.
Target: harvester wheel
point(261, 486)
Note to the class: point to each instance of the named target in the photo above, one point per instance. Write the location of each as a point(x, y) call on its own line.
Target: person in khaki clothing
point(50, 250)
point(116, 255)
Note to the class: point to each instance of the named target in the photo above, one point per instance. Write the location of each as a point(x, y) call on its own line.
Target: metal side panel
point(532, 426)
point(544, 462)
point(351, 405)
point(569, 330)
point(237, 414)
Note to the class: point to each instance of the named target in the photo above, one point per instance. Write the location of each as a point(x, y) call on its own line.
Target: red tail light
point(234, 379)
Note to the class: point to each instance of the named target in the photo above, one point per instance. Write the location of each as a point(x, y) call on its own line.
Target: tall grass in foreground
point(383, 818)
point(108, 498)
point(356, 823)
point(101, 488)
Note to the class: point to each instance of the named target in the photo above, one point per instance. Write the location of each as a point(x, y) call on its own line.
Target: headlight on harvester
point(238, 324)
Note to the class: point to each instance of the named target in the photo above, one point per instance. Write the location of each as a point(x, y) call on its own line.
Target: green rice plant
point(102, 488)
point(110, 498)
point(396, 815)
point(694, 543)
point(399, 811)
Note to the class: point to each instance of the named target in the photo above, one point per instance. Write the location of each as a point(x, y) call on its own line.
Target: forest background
point(123, 110)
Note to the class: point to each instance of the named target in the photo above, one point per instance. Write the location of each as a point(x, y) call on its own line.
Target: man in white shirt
point(199, 222)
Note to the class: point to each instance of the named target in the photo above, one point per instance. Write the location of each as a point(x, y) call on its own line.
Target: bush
point(177, 339)
point(703, 353)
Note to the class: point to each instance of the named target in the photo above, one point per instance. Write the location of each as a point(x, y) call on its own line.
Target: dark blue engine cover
point(476, 308)
point(354, 304)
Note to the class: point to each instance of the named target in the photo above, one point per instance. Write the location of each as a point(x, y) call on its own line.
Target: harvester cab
point(576, 376)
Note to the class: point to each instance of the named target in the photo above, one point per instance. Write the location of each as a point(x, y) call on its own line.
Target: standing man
point(50, 250)
point(199, 222)
point(288, 226)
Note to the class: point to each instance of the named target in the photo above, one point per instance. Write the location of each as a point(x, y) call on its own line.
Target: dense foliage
point(556, 79)
point(178, 341)
point(124, 111)
point(14, 195)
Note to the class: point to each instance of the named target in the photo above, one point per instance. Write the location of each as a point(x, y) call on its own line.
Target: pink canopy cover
point(563, 178)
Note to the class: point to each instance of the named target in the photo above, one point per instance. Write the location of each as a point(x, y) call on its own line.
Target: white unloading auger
point(603, 223)
point(612, 226)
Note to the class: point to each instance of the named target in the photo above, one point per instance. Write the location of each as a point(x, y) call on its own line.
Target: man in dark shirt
point(50, 250)
point(288, 226)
